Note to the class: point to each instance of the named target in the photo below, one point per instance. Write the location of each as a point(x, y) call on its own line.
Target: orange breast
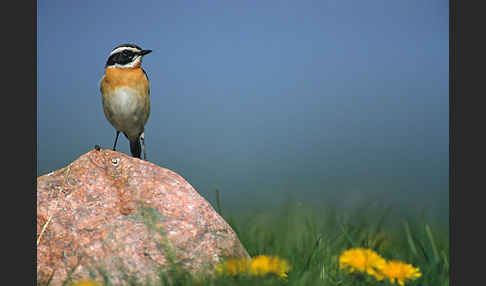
point(119, 77)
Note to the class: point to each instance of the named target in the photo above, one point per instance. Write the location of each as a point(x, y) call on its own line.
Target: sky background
point(332, 102)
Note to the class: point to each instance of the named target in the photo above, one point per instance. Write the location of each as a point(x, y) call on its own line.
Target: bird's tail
point(136, 148)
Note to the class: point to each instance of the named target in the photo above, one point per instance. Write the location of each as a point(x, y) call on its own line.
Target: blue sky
point(321, 100)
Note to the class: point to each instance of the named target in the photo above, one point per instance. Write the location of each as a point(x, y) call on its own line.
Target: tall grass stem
point(409, 238)
point(218, 203)
point(432, 242)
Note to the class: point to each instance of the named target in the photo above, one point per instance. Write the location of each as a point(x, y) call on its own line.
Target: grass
point(311, 240)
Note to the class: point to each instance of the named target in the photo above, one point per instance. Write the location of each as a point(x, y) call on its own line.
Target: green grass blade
point(346, 235)
point(411, 243)
point(316, 246)
point(218, 203)
point(432, 242)
point(446, 261)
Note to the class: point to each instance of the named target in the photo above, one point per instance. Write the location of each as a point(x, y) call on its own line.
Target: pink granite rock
point(111, 213)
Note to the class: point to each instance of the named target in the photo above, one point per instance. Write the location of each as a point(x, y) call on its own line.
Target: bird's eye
point(127, 53)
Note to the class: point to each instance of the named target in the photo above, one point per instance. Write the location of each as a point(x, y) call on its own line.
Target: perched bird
point(125, 90)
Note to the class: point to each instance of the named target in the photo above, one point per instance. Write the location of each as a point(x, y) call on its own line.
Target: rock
point(111, 214)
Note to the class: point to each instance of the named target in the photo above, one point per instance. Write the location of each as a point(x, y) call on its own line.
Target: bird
point(125, 90)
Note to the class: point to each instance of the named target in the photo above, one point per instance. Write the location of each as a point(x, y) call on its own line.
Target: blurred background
point(340, 103)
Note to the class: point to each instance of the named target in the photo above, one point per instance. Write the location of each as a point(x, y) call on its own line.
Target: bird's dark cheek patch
point(118, 58)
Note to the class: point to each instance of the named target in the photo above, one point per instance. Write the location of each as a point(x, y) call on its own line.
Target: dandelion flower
point(362, 260)
point(87, 283)
point(257, 266)
point(399, 271)
point(261, 265)
point(234, 266)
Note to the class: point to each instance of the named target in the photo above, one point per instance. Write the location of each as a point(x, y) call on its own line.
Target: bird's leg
point(116, 139)
point(142, 140)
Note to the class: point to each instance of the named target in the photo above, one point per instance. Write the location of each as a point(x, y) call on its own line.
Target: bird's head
point(126, 56)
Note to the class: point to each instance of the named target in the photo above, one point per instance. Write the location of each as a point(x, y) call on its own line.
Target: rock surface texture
point(111, 214)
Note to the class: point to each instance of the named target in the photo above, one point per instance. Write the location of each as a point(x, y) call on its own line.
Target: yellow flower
point(87, 283)
point(262, 265)
point(234, 266)
point(363, 260)
point(257, 266)
point(399, 271)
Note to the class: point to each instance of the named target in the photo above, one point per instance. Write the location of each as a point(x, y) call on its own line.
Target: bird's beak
point(145, 52)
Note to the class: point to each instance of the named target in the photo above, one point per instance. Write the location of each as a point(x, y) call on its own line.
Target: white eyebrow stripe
point(117, 50)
